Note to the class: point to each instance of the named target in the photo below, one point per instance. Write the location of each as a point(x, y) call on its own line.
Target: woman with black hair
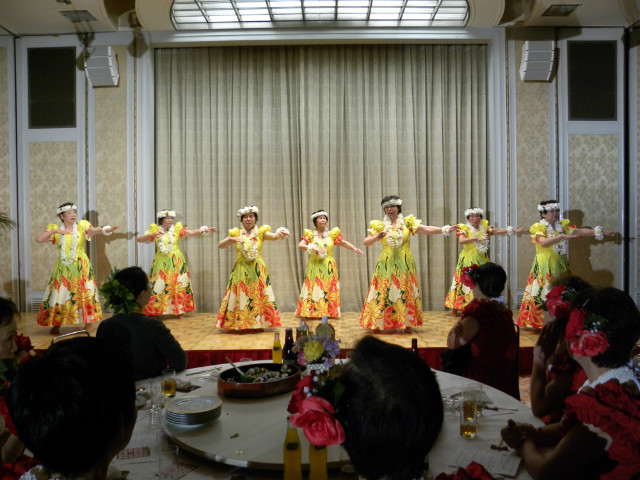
point(487, 325)
point(599, 435)
point(146, 340)
point(320, 294)
point(72, 294)
point(393, 299)
point(550, 236)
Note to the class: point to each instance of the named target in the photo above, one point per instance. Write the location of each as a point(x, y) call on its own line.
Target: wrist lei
point(509, 230)
point(598, 233)
point(445, 230)
point(204, 230)
point(281, 231)
point(106, 230)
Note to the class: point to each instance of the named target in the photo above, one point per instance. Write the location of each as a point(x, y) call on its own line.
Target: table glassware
point(169, 382)
point(168, 462)
point(469, 412)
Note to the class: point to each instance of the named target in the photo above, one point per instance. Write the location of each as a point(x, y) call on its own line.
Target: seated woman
point(74, 409)
point(388, 411)
point(555, 375)
point(486, 323)
point(147, 340)
point(599, 436)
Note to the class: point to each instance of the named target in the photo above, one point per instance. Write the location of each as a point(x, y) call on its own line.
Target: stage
point(206, 344)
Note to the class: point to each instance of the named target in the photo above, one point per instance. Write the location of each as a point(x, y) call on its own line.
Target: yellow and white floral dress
point(171, 292)
point(320, 294)
point(473, 253)
point(548, 262)
point(393, 299)
point(72, 294)
point(249, 301)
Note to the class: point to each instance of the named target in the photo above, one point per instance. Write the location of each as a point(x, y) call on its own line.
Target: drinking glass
point(169, 382)
point(469, 412)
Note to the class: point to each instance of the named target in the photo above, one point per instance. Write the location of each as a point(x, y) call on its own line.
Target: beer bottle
point(288, 355)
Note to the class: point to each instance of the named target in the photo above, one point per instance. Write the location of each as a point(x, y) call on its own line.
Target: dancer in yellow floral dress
point(474, 238)
point(72, 295)
point(393, 299)
point(320, 294)
point(171, 292)
point(248, 301)
point(550, 236)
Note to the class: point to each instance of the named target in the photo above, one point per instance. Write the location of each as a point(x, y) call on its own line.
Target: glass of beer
point(469, 412)
point(169, 382)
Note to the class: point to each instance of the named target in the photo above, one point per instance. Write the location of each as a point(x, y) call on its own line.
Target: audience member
point(74, 408)
point(487, 325)
point(599, 436)
point(147, 340)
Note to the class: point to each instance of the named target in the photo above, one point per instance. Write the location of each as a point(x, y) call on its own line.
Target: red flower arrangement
point(584, 334)
point(559, 301)
point(469, 276)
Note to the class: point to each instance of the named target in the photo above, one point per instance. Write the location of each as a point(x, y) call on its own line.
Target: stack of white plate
point(193, 410)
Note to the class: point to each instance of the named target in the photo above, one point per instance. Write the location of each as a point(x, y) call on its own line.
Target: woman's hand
point(234, 239)
point(381, 235)
point(357, 250)
point(515, 434)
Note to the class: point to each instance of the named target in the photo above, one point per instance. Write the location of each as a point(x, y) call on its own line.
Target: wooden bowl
point(230, 388)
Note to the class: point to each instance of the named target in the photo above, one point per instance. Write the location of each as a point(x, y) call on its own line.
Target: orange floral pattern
point(72, 294)
point(170, 280)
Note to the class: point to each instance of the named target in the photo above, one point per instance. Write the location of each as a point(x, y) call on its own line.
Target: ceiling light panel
point(211, 14)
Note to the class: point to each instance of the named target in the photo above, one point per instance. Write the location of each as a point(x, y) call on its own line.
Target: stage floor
point(197, 331)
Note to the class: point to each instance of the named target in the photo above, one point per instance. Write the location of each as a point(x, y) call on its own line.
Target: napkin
point(474, 471)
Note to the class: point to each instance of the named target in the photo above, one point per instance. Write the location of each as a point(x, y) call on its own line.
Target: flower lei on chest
point(249, 243)
point(553, 231)
point(394, 235)
point(480, 233)
point(168, 239)
point(321, 242)
point(584, 333)
point(315, 414)
point(74, 246)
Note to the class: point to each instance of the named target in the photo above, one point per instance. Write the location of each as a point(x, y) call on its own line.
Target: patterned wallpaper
point(593, 192)
point(5, 237)
point(52, 173)
point(532, 136)
point(111, 173)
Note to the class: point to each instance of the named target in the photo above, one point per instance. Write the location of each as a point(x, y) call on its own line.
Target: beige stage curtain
point(294, 129)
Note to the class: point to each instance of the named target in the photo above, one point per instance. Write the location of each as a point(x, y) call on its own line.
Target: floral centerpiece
point(316, 351)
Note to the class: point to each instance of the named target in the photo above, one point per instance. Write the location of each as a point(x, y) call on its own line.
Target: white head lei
point(548, 207)
point(319, 213)
point(394, 202)
point(248, 209)
point(473, 211)
point(165, 213)
point(66, 208)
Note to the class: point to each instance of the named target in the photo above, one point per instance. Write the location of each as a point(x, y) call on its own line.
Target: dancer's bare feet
point(454, 313)
point(55, 330)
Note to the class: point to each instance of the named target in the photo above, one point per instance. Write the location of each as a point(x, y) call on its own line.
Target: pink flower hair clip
point(585, 335)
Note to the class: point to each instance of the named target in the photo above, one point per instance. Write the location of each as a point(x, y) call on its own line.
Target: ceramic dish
point(229, 387)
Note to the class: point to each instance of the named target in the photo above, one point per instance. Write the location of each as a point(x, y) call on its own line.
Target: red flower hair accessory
point(469, 276)
point(584, 333)
point(317, 422)
point(559, 301)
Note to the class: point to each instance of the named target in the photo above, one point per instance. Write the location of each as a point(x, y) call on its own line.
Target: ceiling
point(47, 17)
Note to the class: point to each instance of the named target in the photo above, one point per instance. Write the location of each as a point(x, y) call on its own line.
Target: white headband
point(66, 208)
point(245, 210)
point(319, 213)
point(548, 207)
point(471, 211)
point(394, 202)
point(166, 213)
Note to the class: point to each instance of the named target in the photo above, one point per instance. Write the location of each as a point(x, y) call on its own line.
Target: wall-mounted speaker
point(101, 67)
point(538, 61)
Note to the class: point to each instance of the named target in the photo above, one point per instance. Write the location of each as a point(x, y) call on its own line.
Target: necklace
point(165, 244)
point(249, 244)
point(74, 246)
point(320, 241)
point(394, 235)
point(553, 231)
point(481, 233)
point(623, 374)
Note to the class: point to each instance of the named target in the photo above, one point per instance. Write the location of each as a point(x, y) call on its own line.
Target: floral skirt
point(171, 292)
point(320, 293)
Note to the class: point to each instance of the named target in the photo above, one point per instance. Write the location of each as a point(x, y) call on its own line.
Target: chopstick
point(203, 371)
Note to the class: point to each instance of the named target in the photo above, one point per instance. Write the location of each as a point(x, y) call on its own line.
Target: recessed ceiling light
point(561, 10)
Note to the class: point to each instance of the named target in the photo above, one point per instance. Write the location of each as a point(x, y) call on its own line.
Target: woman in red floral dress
point(599, 435)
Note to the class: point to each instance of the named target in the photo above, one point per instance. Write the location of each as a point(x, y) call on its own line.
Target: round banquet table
point(250, 432)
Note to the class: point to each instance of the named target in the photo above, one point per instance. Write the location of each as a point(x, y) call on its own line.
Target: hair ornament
point(66, 208)
point(584, 333)
point(118, 297)
point(473, 211)
point(247, 209)
point(319, 213)
point(558, 301)
point(470, 275)
point(547, 207)
point(165, 213)
point(394, 202)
